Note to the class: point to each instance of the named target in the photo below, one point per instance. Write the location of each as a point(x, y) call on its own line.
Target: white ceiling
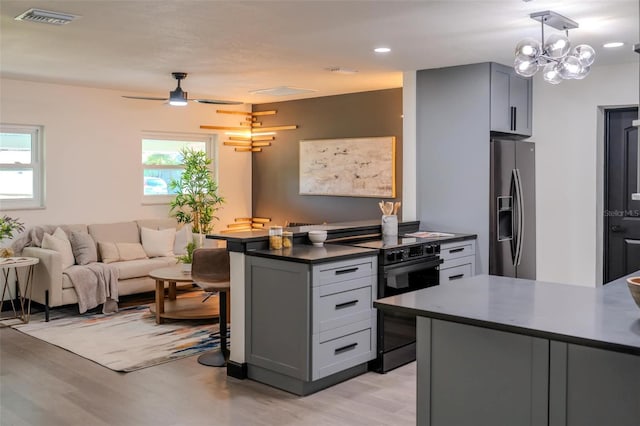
point(232, 47)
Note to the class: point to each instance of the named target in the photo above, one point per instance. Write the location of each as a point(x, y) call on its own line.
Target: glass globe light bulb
point(557, 46)
point(528, 49)
point(583, 73)
point(550, 74)
point(569, 67)
point(524, 67)
point(585, 54)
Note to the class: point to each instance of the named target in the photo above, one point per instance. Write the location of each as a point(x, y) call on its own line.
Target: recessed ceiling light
point(613, 44)
point(382, 50)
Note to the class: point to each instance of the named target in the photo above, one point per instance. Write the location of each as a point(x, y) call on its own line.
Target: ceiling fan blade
point(216, 102)
point(146, 98)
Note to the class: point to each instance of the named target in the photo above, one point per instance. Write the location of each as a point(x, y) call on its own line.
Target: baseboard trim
point(237, 370)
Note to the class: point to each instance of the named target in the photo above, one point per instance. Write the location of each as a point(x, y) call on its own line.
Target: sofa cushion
point(84, 248)
point(158, 243)
point(157, 223)
point(60, 243)
point(183, 237)
point(122, 232)
point(142, 267)
point(114, 252)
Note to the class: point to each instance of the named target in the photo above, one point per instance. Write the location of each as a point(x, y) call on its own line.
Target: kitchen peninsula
point(496, 350)
point(254, 244)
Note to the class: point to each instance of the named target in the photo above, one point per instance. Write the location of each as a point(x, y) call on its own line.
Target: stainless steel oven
point(405, 265)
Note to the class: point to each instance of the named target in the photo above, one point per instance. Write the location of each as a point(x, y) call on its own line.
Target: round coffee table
point(183, 308)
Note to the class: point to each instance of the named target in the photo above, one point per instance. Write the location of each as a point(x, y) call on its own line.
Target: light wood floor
point(41, 384)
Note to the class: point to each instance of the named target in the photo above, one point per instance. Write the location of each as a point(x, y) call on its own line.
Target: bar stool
point(210, 271)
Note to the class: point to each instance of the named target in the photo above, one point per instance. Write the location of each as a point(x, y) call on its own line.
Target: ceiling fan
point(178, 97)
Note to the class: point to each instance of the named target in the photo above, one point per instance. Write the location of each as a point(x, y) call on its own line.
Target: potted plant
point(8, 226)
point(196, 192)
point(187, 258)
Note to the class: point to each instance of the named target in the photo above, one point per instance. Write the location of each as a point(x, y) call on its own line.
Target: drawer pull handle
point(456, 277)
point(456, 250)
point(346, 271)
point(345, 348)
point(346, 304)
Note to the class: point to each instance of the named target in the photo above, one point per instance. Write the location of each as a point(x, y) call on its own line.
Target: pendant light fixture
point(554, 55)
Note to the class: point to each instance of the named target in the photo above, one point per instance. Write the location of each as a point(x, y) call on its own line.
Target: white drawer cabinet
point(459, 260)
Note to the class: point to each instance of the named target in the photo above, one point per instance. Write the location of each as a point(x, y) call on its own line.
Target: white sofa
point(52, 288)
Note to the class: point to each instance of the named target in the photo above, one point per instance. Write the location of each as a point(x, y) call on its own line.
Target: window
point(20, 167)
point(161, 162)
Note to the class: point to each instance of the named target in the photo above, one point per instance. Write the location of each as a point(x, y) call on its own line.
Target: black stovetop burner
point(402, 249)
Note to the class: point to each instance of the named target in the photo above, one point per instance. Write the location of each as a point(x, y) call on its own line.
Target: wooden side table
point(184, 308)
point(8, 264)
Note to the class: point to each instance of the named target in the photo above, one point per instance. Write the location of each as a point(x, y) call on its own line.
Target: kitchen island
point(505, 351)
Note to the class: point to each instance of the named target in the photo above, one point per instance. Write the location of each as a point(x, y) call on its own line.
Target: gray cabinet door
point(277, 306)
point(593, 387)
point(511, 101)
point(473, 376)
point(500, 99)
point(520, 99)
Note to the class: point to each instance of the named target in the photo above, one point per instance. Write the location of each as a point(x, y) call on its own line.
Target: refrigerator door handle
point(520, 216)
point(514, 231)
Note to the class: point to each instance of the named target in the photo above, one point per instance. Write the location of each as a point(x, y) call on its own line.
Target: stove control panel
point(401, 254)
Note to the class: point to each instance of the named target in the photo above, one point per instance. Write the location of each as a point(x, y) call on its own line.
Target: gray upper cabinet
point(511, 101)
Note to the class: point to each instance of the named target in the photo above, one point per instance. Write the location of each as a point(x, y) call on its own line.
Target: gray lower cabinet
point(459, 260)
point(469, 375)
point(309, 325)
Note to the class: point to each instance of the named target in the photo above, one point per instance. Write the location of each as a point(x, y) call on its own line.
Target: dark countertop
point(604, 317)
point(303, 253)
point(336, 233)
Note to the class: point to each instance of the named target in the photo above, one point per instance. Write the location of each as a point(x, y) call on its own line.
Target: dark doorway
point(621, 208)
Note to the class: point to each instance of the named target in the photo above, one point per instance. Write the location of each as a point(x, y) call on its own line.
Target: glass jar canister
point(287, 239)
point(275, 237)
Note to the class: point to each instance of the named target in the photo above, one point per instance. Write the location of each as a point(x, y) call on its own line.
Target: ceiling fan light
point(585, 54)
point(178, 97)
point(557, 46)
point(528, 49)
point(525, 68)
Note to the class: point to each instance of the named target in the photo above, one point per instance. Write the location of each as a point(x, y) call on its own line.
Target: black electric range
point(404, 265)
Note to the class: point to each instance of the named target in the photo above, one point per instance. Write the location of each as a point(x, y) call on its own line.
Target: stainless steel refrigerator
point(512, 231)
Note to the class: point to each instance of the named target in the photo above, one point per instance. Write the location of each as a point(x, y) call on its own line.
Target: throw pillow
point(158, 243)
point(183, 236)
point(60, 245)
point(84, 248)
point(115, 252)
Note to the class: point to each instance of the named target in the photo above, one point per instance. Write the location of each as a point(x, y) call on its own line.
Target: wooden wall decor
point(246, 224)
point(250, 136)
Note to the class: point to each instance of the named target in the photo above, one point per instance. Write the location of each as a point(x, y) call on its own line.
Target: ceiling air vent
point(282, 91)
point(46, 17)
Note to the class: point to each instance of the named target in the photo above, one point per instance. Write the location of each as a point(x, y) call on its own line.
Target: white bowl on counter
point(317, 238)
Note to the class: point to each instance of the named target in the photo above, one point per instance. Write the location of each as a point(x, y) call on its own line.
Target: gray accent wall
point(275, 169)
point(453, 156)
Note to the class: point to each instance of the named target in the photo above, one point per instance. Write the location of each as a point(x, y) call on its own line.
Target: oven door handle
point(404, 269)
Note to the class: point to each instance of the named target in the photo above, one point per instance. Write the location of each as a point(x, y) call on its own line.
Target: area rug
point(127, 340)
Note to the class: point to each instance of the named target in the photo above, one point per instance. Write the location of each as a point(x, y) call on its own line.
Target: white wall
point(567, 135)
point(93, 151)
